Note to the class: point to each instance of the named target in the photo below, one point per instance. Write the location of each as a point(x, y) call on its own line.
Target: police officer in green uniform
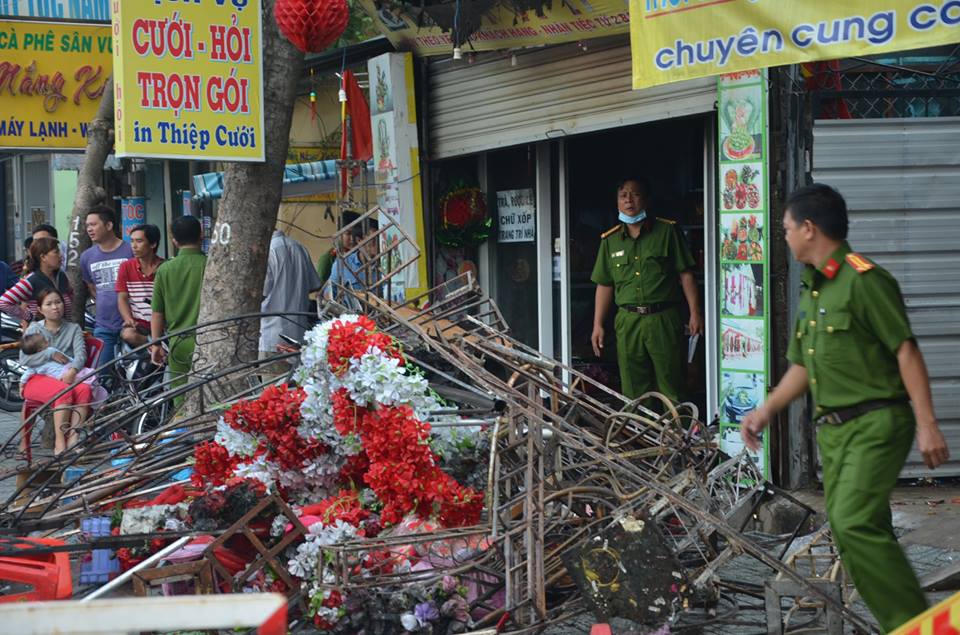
point(853, 349)
point(642, 265)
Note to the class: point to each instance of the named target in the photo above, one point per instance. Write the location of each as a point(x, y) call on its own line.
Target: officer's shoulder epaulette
point(666, 220)
point(859, 263)
point(609, 231)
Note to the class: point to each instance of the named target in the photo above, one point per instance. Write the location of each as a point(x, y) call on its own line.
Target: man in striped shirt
point(135, 284)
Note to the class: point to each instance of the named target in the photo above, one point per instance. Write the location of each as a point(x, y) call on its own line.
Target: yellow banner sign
point(188, 79)
point(673, 40)
point(502, 28)
point(51, 79)
point(942, 619)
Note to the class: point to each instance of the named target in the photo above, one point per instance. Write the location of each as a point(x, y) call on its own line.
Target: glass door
point(511, 186)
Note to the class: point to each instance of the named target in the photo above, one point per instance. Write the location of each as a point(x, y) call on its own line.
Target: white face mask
point(632, 220)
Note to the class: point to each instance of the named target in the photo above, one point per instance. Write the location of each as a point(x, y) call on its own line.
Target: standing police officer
point(642, 264)
point(853, 349)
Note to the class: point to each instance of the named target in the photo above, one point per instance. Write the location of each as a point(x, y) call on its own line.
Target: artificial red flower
point(457, 212)
point(273, 419)
point(345, 506)
point(213, 465)
point(334, 601)
point(351, 340)
point(354, 468)
point(322, 624)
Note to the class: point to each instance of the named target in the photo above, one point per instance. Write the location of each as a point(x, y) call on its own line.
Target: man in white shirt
point(290, 280)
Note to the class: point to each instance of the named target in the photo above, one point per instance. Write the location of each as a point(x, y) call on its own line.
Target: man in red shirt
point(135, 284)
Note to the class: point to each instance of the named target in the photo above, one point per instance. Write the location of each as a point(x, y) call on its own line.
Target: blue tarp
point(299, 179)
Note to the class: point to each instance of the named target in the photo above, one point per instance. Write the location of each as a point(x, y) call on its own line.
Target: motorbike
point(10, 369)
point(143, 382)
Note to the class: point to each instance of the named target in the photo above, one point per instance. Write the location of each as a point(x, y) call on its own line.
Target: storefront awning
point(299, 179)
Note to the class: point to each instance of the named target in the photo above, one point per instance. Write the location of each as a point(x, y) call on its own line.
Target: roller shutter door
point(550, 92)
point(901, 179)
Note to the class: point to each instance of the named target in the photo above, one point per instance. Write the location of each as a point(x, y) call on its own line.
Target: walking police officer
point(642, 264)
point(853, 349)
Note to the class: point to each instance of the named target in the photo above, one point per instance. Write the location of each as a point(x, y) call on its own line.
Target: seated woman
point(57, 365)
point(73, 406)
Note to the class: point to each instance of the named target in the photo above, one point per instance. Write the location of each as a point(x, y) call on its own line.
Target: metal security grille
point(917, 84)
point(901, 179)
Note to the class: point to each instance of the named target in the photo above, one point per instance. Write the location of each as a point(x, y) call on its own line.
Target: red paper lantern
point(311, 25)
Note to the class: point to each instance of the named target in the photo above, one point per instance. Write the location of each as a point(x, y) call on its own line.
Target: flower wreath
point(463, 218)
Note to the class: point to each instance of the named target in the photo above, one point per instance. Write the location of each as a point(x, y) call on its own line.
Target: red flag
point(359, 119)
point(361, 136)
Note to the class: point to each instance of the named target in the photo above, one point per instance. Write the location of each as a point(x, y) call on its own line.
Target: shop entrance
point(670, 156)
point(550, 201)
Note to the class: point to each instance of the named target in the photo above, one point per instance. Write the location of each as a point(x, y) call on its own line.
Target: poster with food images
point(742, 187)
point(743, 275)
point(742, 237)
point(742, 123)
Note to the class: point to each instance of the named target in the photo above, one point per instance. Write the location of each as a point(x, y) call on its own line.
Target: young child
point(55, 364)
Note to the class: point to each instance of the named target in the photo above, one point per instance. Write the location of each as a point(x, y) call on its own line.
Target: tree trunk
point(237, 260)
point(90, 193)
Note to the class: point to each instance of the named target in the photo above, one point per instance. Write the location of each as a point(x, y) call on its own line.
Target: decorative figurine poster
point(743, 287)
point(396, 160)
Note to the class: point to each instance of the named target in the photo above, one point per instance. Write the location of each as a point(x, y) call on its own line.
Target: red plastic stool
point(29, 407)
point(48, 574)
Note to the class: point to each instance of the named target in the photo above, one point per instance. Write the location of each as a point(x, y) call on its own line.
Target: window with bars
point(923, 83)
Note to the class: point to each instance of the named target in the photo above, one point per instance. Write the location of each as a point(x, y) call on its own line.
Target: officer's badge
point(609, 231)
point(858, 262)
point(617, 254)
point(831, 268)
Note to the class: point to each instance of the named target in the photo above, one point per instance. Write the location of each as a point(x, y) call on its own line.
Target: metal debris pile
point(594, 503)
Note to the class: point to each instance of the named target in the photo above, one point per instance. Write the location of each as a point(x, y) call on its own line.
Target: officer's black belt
point(841, 416)
point(649, 309)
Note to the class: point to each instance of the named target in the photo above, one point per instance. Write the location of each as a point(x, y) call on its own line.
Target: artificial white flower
point(327, 614)
point(410, 622)
point(146, 520)
point(314, 351)
point(237, 442)
point(279, 525)
point(306, 563)
point(377, 378)
point(259, 469)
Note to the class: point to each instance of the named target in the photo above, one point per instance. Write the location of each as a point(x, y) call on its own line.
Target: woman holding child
point(54, 352)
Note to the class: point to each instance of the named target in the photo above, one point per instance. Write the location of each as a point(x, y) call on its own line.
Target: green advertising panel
point(744, 299)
